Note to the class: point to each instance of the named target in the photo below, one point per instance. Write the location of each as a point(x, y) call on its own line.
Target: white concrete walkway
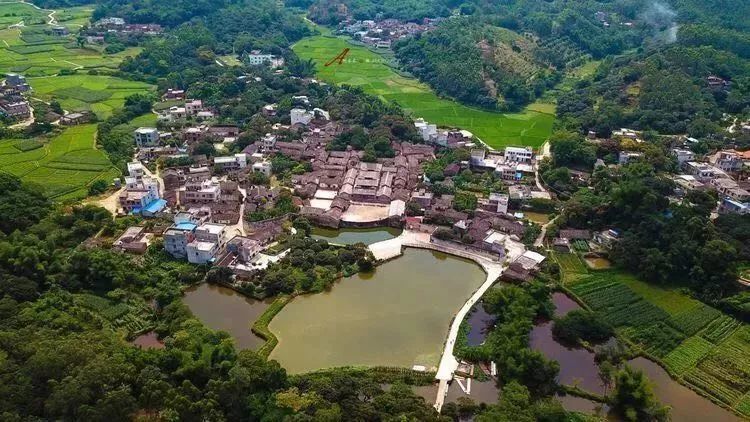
point(392, 248)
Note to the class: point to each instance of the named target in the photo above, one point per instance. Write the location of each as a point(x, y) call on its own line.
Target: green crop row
point(690, 322)
point(712, 387)
point(657, 339)
point(687, 355)
point(720, 328)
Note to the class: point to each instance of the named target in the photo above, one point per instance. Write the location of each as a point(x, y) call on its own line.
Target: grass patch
point(83, 94)
point(260, 326)
point(28, 144)
point(371, 72)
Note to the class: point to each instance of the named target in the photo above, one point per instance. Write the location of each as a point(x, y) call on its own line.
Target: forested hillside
point(666, 90)
point(469, 58)
point(478, 64)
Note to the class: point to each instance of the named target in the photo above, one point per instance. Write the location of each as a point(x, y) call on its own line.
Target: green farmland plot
point(32, 50)
point(100, 94)
point(698, 345)
point(372, 72)
point(63, 166)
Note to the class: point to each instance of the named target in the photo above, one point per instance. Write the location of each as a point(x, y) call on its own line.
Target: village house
point(257, 58)
point(199, 192)
point(270, 110)
point(519, 155)
point(173, 95)
point(134, 240)
point(304, 117)
point(146, 137)
point(730, 188)
point(193, 107)
point(731, 206)
point(626, 157)
point(59, 31)
point(701, 171)
point(496, 202)
point(263, 167)
point(177, 237)
point(239, 254)
point(208, 241)
point(422, 197)
point(15, 108)
point(234, 162)
point(683, 155)
point(76, 118)
point(728, 161)
point(17, 81)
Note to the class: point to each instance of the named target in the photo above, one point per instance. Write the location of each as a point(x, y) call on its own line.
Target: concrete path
point(540, 239)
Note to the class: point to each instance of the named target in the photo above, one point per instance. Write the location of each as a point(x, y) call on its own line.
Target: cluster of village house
point(209, 196)
point(382, 34)
point(207, 226)
point(12, 103)
point(114, 25)
point(721, 171)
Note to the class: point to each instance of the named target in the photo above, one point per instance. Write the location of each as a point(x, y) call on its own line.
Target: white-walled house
point(146, 137)
point(519, 155)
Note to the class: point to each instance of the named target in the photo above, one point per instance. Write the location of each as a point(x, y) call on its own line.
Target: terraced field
point(374, 74)
point(26, 45)
point(100, 94)
point(697, 344)
point(63, 166)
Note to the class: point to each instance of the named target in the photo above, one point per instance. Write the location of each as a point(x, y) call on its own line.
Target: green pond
point(352, 236)
point(397, 316)
point(224, 309)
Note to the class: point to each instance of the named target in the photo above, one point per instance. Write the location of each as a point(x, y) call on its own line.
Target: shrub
point(581, 325)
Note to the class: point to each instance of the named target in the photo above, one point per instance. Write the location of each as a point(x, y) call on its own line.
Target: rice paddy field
point(376, 75)
point(698, 345)
point(100, 94)
point(63, 165)
point(28, 47)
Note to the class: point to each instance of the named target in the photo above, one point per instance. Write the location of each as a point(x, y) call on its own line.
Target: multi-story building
point(212, 232)
point(200, 192)
point(133, 201)
point(201, 252)
point(683, 155)
point(498, 202)
point(519, 155)
point(703, 172)
point(15, 109)
point(256, 58)
point(728, 161)
point(263, 167)
point(192, 107)
point(233, 162)
point(268, 142)
point(177, 237)
point(146, 137)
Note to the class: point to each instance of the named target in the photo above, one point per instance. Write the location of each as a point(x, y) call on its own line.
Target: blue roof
point(155, 206)
point(186, 226)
